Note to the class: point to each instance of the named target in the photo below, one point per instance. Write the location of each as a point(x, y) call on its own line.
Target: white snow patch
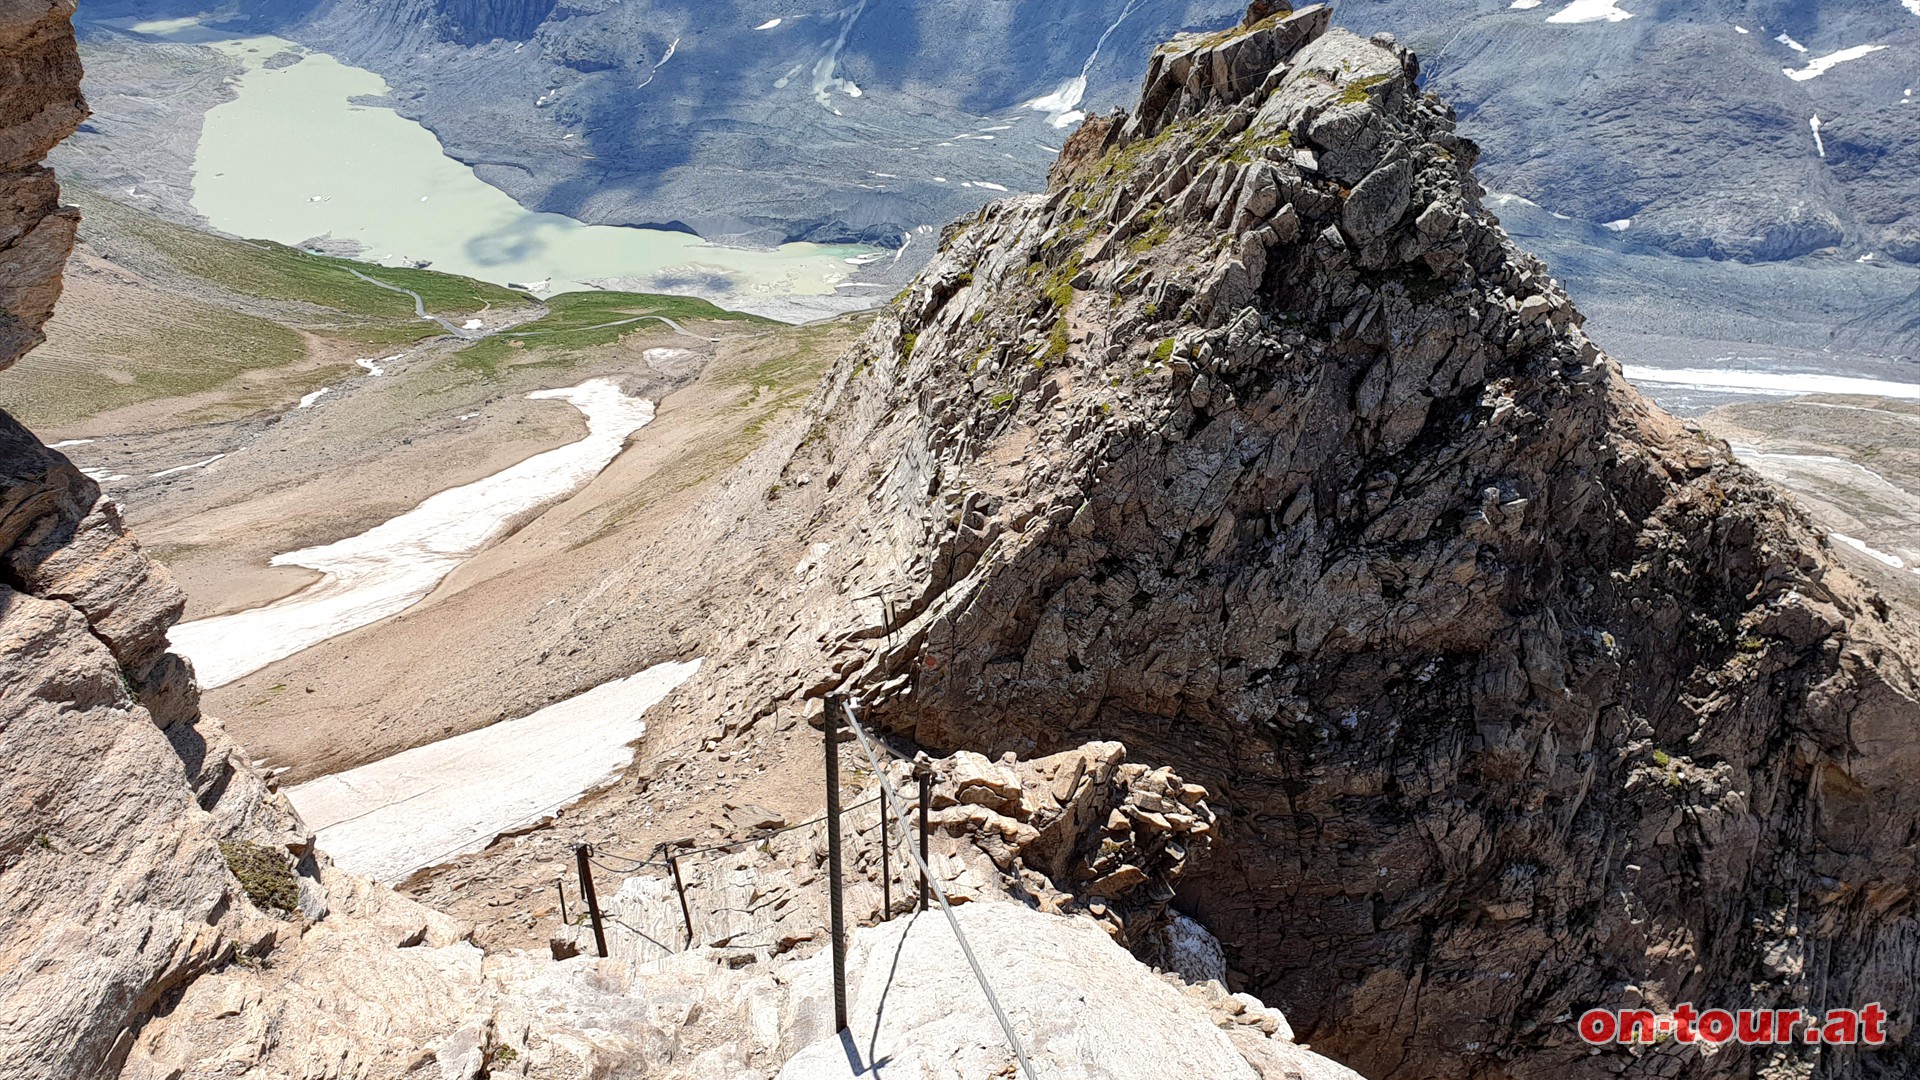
point(1790, 43)
point(1743, 30)
point(990, 187)
point(1621, 225)
point(422, 806)
point(769, 24)
point(1769, 383)
point(393, 566)
point(1820, 65)
point(1524, 5)
point(307, 400)
point(378, 367)
point(1062, 106)
point(1819, 143)
point(825, 82)
point(1894, 561)
point(102, 476)
point(1193, 953)
point(1911, 5)
point(63, 443)
point(1504, 197)
point(1587, 11)
point(472, 324)
point(185, 468)
point(1868, 257)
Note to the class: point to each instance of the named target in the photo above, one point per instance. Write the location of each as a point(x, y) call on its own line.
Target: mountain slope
point(1691, 119)
point(1254, 444)
point(168, 325)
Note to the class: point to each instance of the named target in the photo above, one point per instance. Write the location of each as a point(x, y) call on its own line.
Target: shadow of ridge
point(852, 1049)
point(879, 1013)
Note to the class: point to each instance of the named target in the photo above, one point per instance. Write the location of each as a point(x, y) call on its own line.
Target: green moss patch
point(264, 873)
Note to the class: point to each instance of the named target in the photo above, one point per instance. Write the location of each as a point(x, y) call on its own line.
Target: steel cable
point(940, 892)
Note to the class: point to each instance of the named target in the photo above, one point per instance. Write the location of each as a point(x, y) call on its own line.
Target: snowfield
point(1769, 383)
point(395, 565)
point(1587, 11)
point(422, 806)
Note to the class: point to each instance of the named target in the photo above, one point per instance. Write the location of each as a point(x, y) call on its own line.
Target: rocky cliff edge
point(1255, 444)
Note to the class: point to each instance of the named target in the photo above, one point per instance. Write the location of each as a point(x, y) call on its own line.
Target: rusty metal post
point(560, 885)
point(593, 902)
point(830, 722)
point(673, 863)
point(923, 775)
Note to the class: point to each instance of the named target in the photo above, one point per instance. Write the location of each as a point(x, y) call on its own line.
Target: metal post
point(673, 862)
point(831, 725)
point(593, 902)
point(886, 867)
point(923, 773)
point(560, 883)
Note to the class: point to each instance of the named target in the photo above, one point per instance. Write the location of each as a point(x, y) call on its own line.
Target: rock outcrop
point(1254, 444)
point(40, 104)
point(147, 869)
point(164, 914)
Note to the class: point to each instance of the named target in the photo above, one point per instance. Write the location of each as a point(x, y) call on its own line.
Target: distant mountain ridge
point(1673, 121)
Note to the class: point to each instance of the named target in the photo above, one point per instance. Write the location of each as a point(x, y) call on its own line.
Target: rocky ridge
point(168, 915)
point(1255, 444)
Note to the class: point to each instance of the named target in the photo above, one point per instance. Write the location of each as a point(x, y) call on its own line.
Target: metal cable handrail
point(691, 852)
point(940, 892)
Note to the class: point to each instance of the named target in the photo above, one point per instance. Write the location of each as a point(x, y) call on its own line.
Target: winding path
point(420, 309)
point(419, 305)
point(677, 328)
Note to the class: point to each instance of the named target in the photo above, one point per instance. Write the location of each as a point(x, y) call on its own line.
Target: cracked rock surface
point(1255, 444)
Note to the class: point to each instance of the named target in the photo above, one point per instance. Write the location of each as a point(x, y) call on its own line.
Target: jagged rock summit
point(1255, 444)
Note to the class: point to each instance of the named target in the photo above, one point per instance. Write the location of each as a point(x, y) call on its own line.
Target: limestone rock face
point(115, 889)
point(1255, 444)
point(40, 104)
point(1087, 1009)
point(118, 900)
